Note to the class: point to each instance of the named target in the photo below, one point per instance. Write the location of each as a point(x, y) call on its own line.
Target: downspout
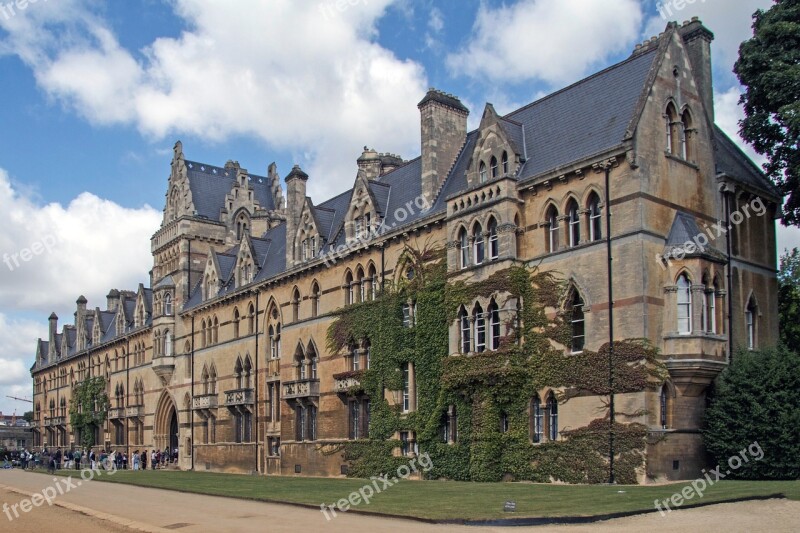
point(383, 264)
point(191, 414)
point(609, 257)
point(255, 325)
point(128, 389)
point(727, 199)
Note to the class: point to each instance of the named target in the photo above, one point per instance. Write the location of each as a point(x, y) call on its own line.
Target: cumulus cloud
point(52, 253)
point(303, 76)
point(531, 39)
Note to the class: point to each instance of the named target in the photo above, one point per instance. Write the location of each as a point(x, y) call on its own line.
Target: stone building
point(223, 353)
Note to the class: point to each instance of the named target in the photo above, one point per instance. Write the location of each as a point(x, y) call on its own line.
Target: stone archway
point(165, 427)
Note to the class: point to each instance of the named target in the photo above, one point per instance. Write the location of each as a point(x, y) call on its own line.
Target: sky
point(93, 96)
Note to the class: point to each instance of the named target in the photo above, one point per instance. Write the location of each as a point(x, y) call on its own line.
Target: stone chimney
point(697, 39)
point(370, 163)
point(112, 300)
point(443, 121)
point(80, 324)
point(295, 199)
point(51, 347)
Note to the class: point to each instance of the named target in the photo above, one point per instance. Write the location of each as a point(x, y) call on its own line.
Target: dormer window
point(308, 248)
point(242, 226)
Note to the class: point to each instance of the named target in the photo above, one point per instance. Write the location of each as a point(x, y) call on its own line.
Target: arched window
point(505, 163)
point(537, 419)
point(664, 407)
point(684, 305)
point(673, 134)
point(574, 228)
point(300, 363)
point(367, 348)
point(360, 294)
point(478, 244)
point(708, 322)
point(167, 304)
point(373, 282)
point(551, 227)
point(236, 319)
point(168, 344)
point(686, 136)
point(465, 329)
point(494, 248)
point(238, 372)
point(314, 299)
point(576, 317)
point(463, 243)
point(482, 175)
point(312, 358)
point(595, 218)
point(493, 166)
point(750, 318)
point(248, 367)
point(215, 332)
point(494, 326)
point(552, 417)
point(348, 289)
point(480, 328)
point(251, 320)
point(295, 305)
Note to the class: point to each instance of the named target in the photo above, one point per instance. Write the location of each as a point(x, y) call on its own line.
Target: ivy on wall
point(88, 408)
point(487, 386)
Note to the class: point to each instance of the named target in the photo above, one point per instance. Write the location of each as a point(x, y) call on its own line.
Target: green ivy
point(483, 386)
point(88, 408)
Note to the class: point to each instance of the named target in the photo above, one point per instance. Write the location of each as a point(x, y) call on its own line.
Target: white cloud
point(51, 253)
point(300, 75)
point(17, 354)
point(555, 41)
point(727, 113)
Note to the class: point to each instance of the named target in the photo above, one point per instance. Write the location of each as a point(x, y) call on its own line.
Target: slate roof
point(732, 161)
point(210, 185)
point(684, 230)
point(586, 118)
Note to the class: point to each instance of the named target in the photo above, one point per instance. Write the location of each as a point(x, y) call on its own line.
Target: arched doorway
point(166, 429)
point(173, 433)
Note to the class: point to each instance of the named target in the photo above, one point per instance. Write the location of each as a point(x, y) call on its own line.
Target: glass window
point(684, 305)
point(577, 320)
point(494, 248)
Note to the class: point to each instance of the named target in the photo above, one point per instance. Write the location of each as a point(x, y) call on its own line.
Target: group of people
point(88, 458)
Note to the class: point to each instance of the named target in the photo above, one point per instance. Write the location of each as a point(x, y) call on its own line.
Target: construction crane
point(20, 399)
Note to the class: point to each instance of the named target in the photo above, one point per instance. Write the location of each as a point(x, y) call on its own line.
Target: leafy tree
point(28, 416)
point(88, 408)
point(756, 401)
point(769, 68)
point(789, 299)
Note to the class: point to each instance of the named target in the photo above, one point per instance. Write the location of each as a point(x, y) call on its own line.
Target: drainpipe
point(191, 407)
point(727, 199)
point(383, 264)
point(255, 391)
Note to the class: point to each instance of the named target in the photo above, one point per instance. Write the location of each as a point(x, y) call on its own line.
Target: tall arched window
point(348, 289)
point(686, 136)
point(574, 228)
point(482, 175)
point(673, 133)
point(494, 326)
point(314, 299)
point(505, 163)
point(595, 218)
point(664, 407)
point(750, 317)
point(551, 228)
point(552, 417)
point(215, 336)
point(709, 313)
point(300, 362)
point(275, 341)
point(167, 304)
point(360, 293)
point(463, 243)
point(373, 282)
point(537, 419)
point(295, 305)
point(251, 319)
point(465, 329)
point(493, 166)
point(479, 319)
point(684, 305)
point(236, 319)
point(168, 344)
point(478, 244)
point(494, 248)
point(576, 317)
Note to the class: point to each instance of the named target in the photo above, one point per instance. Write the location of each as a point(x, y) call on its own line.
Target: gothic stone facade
point(223, 354)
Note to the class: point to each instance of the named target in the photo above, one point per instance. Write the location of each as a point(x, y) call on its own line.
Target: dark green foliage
point(769, 68)
point(757, 400)
point(88, 408)
point(789, 299)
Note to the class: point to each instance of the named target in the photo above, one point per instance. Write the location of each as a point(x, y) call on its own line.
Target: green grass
point(449, 500)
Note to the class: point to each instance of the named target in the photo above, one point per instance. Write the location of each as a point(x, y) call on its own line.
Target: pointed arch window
point(673, 134)
point(236, 319)
point(537, 420)
point(215, 331)
point(505, 163)
point(479, 319)
point(684, 305)
point(552, 417)
point(479, 249)
point(494, 326)
point(686, 136)
point(482, 174)
point(465, 330)
point(373, 282)
point(314, 299)
point(595, 218)
point(295, 305)
point(494, 245)
point(551, 228)
point(348, 287)
point(750, 317)
point(493, 166)
point(576, 316)
point(463, 243)
point(167, 344)
point(167, 304)
point(574, 228)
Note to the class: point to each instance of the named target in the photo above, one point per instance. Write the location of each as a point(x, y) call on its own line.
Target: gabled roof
point(738, 166)
point(684, 230)
point(210, 185)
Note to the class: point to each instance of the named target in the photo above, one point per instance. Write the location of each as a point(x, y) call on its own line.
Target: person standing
point(144, 460)
point(135, 460)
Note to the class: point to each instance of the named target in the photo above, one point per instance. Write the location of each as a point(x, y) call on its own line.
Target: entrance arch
point(165, 427)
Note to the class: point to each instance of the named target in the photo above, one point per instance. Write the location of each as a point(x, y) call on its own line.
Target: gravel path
point(102, 507)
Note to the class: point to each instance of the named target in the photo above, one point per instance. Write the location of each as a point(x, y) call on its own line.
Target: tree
point(769, 69)
point(789, 299)
point(28, 416)
point(88, 409)
point(756, 401)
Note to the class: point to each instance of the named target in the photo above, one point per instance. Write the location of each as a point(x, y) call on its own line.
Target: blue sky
point(94, 95)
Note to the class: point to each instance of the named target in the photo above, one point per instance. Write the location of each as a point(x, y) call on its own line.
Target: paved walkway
point(145, 509)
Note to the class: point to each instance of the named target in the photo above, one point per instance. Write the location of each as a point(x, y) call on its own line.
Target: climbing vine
point(488, 387)
point(88, 408)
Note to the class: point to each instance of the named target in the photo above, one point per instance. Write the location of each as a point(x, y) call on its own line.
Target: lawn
point(449, 500)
